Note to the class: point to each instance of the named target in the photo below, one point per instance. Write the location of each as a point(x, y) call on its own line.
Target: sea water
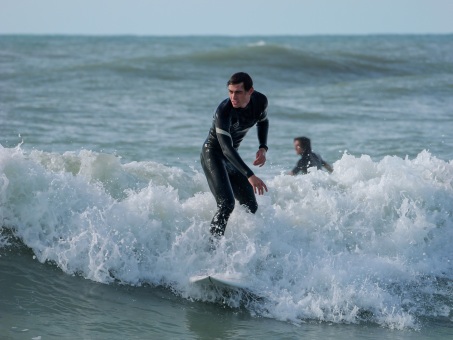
point(105, 210)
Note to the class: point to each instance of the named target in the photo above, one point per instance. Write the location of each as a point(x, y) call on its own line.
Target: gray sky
point(228, 17)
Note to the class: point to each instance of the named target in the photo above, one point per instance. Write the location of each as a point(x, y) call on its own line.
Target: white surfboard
point(221, 280)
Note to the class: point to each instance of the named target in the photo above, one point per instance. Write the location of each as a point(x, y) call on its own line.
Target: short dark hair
point(241, 77)
point(305, 143)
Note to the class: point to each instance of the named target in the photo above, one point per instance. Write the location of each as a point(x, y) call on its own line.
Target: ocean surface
point(105, 210)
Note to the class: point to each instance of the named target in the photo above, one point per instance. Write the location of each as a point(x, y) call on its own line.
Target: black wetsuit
point(308, 159)
point(226, 172)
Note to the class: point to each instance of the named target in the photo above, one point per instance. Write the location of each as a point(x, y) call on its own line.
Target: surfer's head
point(241, 77)
point(240, 88)
point(302, 144)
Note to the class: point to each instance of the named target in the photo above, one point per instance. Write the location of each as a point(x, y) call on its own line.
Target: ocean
point(105, 209)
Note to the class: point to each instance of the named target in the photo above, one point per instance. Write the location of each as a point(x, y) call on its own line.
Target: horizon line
point(218, 35)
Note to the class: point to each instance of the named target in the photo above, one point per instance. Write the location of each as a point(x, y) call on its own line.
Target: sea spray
point(370, 242)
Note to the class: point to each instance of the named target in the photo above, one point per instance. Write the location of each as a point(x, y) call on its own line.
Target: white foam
point(371, 241)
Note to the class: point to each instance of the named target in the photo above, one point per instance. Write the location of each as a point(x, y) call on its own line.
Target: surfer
point(227, 174)
point(308, 159)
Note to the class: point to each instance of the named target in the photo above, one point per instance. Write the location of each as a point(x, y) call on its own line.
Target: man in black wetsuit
point(308, 159)
point(227, 174)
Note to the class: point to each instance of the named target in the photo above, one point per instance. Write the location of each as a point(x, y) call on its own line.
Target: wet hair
point(241, 77)
point(304, 143)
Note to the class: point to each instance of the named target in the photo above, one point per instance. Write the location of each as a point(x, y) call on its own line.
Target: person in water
point(227, 174)
point(308, 159)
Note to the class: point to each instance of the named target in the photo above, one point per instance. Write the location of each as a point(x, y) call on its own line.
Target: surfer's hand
point(260, 157)
point(257, 184)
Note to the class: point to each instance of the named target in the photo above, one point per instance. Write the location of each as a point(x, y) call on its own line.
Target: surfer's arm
point(222, 128)
point(294, 171)
point(262, 127)
point(260, 157)
point(301, 166)
point(328, 167)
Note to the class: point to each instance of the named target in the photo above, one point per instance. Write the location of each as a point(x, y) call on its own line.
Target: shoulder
point(222, 115)
point(259, 98)
point(223, 109)
point(314, 157)
point(318, 156)
point(225, 105)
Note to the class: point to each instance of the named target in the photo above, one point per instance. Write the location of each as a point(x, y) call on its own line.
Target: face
point(238, 96)
point(298, 147)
